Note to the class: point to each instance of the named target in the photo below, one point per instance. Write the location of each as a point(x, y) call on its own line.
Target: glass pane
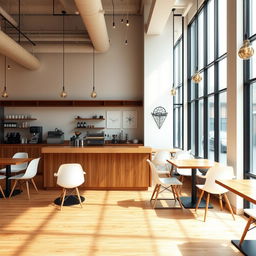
point(211, 128)
point(201, 128)
point(223, 128)
point(253, 62)
point(201, 86)
point(210, 31)
point(193, 48)
point(192, 130)
point(210, 79)
point(180, 62)
point(175, 75)
point(253, 127)
point(180, 127)
point(201, 40)
point(222, 27)
point(252, 10)
point(223, 74)
point(176, 128)
point(192, 90)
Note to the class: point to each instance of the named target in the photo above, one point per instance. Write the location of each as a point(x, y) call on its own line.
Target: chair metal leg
point(250, 220)
point(78, 195)
point(63, 198)
point(220, 199)
point(27, 185)
point(229, 206)
point(157, 192)
point(14, 185)
point(2, 192)
point(199, 200)
point(206, 207)
point(154, 192)
point(34, 184)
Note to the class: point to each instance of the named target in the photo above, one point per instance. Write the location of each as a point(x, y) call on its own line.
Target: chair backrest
point(20, 167)
point(161, 157)
point(70, 175)
point(155, 176)
point(32, 169)
point(183, 155)
point(217, 173)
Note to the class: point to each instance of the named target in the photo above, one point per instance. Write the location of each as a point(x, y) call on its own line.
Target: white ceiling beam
point(159, 14)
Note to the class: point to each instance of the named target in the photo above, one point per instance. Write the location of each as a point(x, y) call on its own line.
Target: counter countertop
point(97, 149)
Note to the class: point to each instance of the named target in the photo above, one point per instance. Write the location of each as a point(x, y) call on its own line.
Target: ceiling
point(47, 7)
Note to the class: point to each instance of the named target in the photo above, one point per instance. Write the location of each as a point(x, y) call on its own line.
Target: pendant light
point(197, 78)
point(93, 94)
point(63, 93)
point(173, 90)
point(4, 93)
point(246, 51)
point(113, 15)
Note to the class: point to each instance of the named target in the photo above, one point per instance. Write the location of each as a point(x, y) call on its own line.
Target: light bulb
point(197, 78)
point(4, 93)
point(173, 91)
point(63, 94)
point(127, 23)
point(246, 51)
point(114, 25)
point(93, 94)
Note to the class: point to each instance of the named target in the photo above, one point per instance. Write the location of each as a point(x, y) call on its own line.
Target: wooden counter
point(106, 167)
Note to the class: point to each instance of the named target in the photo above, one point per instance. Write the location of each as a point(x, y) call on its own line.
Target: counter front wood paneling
point(106, 168)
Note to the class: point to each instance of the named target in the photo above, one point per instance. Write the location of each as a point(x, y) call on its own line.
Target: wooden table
point(190, 202)
point(247, 190)
point(8, 162)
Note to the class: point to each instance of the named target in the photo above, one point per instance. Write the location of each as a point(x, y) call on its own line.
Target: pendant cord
point(63, 53)
point(5, 73)
point(197, 36)
point(173, 10)
point(93, 69)
point(113, 13)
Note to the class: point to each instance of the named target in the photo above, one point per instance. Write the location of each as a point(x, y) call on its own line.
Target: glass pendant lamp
point(4, 93)
point(93, 93)
point(246, 51)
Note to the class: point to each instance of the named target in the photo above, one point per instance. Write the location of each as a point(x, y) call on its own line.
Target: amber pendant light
point(63, 93)
point(246, 51)
point(4, 93)
point(197, 78)
point(93, 94)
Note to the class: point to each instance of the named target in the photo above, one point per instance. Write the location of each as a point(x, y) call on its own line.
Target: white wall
point(118, 75)
point(157, 85)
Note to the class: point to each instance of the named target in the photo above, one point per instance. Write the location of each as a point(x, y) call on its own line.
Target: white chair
point(211, 187)
point(1, 178)
point(160, 162)
point(70, 176)
point(18, 167)
point(252, 218)
point(165, 183)
point(26, 177)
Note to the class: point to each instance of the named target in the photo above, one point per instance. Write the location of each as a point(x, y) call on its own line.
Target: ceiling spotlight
point(127, 23)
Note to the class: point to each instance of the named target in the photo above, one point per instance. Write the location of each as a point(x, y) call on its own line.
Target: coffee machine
point(37, 134)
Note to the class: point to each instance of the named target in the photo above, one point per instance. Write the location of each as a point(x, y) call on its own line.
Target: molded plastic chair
point(28, 176)
point(165, 183)
point(162, 166)
point(211, 187)
point(1, 178)
point(252, 218)
point(70, 176)
point(18, 167)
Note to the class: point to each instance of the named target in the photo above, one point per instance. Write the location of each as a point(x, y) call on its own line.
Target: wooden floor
point(112, 223)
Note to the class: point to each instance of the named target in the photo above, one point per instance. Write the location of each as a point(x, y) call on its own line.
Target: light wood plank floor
point(112, 223)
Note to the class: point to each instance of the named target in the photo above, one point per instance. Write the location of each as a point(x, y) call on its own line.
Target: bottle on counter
point(81, 125)
point(84, 124)
point(78, 125)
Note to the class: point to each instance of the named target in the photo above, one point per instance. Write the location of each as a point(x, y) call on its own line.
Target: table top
point(244, 188)
point(171, 150)
point(192, 163)
point(14, 161)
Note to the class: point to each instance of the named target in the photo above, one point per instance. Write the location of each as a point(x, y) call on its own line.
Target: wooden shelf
point(95, 128)
point(71, 103)
point(16, 127)
point(89, 119)
point(25, 119)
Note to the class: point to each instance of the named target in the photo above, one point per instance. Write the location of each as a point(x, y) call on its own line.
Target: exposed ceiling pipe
point(92, 15)
point(17, 53)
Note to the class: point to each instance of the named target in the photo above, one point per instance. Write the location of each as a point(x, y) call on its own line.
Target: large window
point(207, 103)
point(178, 98)
point(250, 93)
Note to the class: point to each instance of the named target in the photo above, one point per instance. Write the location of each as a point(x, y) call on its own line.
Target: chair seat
point(218, 190)
point(251, 212)
point(2, 177)
point(17, 177)
point(169, 181)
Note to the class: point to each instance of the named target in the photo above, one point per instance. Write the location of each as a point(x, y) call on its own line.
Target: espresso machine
point(37, 134)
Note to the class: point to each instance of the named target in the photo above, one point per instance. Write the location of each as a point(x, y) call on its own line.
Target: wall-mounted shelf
point(19, 119)
point(89, 119)
point(16, 128)
point(71, 103)
point(91, 128)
